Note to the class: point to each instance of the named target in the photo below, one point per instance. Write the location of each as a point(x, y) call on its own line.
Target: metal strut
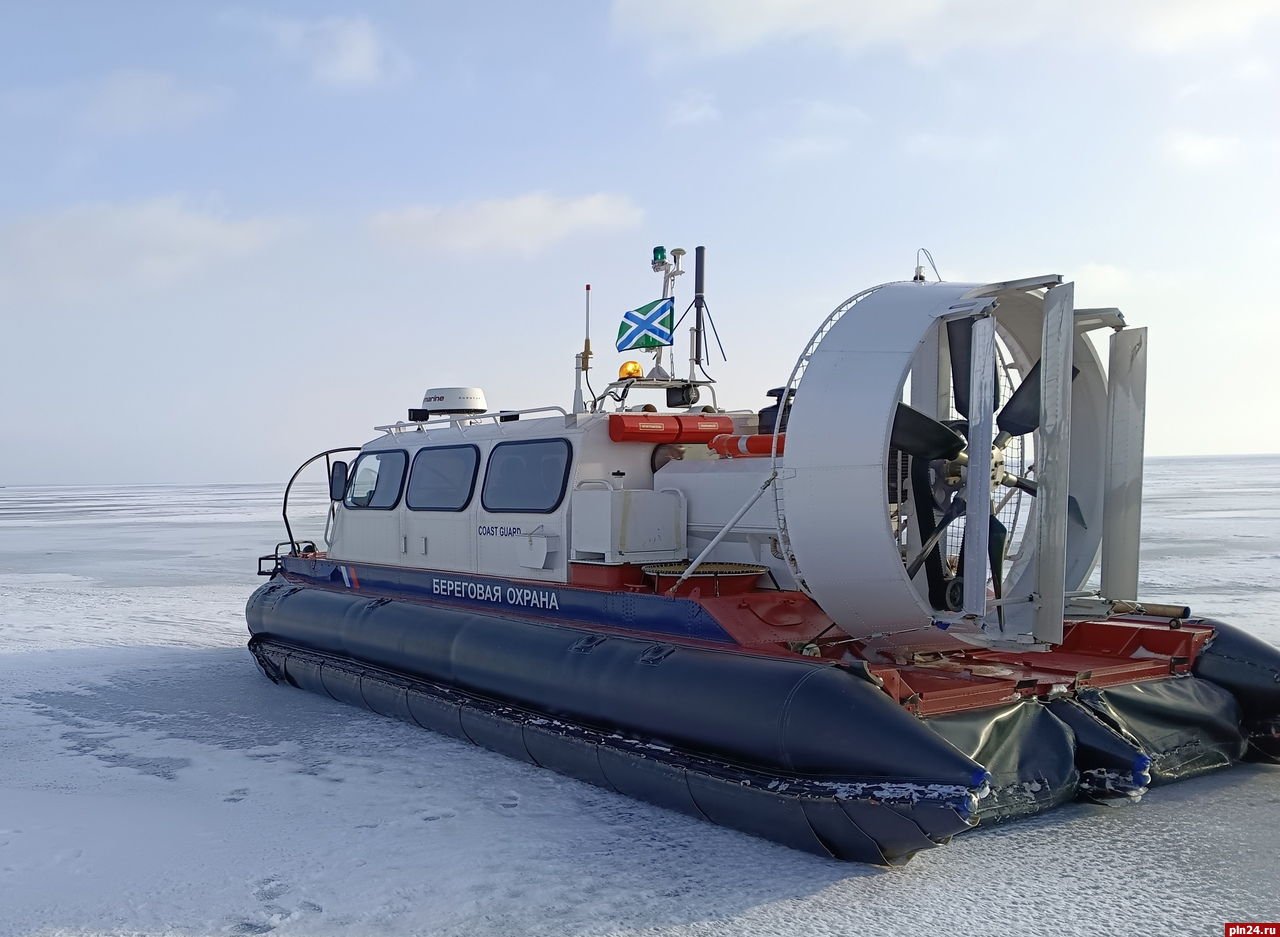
point(724, 532)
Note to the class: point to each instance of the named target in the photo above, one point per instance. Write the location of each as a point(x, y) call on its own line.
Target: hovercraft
point(855, 621)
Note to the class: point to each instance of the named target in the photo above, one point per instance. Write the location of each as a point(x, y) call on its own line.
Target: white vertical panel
point(927, 384)
point(982, 395)
point(1053, 455)
point(1126, 423)
point(925, 378)
point(941, 407)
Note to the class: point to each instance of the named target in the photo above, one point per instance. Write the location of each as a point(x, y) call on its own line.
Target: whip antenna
point(583, 362)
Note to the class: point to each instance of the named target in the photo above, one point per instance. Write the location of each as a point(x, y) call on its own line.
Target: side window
point(376, 480)
point(527, 476)
point(442, 479)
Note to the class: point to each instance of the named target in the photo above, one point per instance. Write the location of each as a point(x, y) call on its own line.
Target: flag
point(649, 326)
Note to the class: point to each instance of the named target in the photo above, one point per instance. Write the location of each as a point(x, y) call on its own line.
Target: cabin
point(584, 498)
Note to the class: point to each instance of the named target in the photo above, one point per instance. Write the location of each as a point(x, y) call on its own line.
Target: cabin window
point(376, 480)
point(442, 478)
point(527, 476)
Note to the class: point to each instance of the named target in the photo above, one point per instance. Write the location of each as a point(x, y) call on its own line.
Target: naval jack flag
point(649, 326)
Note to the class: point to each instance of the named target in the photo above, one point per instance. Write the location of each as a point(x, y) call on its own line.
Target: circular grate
point(706, 569)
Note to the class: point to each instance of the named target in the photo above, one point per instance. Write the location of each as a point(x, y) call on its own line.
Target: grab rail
point(438, 423)
point(284, 510)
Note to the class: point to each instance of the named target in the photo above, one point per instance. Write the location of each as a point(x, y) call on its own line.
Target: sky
point(232, 236)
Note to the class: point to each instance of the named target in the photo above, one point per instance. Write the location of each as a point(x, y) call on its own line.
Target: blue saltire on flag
point(648, 326)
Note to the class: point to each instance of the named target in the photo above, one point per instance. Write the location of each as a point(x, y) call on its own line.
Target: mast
point(696, 334)
point(582, 364)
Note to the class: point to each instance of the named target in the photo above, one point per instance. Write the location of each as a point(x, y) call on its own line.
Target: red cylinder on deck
point(667, 427)
point(643, 427)
point(740, 447)
point(703, 427)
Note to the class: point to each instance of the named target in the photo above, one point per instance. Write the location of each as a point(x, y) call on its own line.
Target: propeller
point(928, 440)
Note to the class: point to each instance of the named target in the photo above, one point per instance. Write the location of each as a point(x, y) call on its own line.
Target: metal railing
point(498, 417)
point(293, 542)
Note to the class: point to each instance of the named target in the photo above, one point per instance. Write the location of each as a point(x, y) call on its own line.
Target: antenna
point(670, 269)
point(699, 310)
point(919, 275)
point(583, 363)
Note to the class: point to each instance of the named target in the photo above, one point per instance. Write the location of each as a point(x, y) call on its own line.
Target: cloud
point(926, 28)
point(81, 250)
point(130, 101)
point(525, 223)
point(1196, 150)
point(137, 101)
point(820, 130)
point(693, 108)
point(340, 51)
point(950, 147)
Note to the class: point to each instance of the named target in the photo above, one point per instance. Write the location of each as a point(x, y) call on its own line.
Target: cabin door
point(521, 531)
point(438, 523)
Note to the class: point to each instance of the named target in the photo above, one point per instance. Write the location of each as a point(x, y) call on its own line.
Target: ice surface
point(153, 782)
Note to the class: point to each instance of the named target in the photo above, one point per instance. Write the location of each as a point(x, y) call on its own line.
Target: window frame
point(471, 490)
point(564, 479)
point(404, 475)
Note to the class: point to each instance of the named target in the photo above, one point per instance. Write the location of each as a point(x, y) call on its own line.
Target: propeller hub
point(997, 469)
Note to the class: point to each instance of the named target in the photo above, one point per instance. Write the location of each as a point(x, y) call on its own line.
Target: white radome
point(444, 400)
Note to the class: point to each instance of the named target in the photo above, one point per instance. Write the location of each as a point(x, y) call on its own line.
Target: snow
point(153, 782)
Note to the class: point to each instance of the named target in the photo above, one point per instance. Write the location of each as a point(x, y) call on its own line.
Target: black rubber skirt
point(803, 752)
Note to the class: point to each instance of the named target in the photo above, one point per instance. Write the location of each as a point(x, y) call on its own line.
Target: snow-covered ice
point(153, 782)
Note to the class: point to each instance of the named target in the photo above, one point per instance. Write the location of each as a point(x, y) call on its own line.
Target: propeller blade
point(1022, 484)
point(997, 542)
point(1021, 412)
point(955, 510)
point(960, 344)
point(922, 436)
point(923, 497)
point(955, 585)
point(1075, 513)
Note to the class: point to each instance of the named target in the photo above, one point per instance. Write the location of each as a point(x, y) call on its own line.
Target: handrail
point(284, 510)
point(644, 383)
point(440, 422)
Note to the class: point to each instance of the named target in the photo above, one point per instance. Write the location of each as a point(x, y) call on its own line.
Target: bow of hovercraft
point(854, 622)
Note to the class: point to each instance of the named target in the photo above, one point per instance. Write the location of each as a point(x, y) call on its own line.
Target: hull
point(810, 753)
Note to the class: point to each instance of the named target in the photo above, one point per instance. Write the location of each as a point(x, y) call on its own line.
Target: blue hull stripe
point(542, 601)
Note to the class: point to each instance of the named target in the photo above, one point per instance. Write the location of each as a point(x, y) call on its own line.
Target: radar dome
point(444, 400)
